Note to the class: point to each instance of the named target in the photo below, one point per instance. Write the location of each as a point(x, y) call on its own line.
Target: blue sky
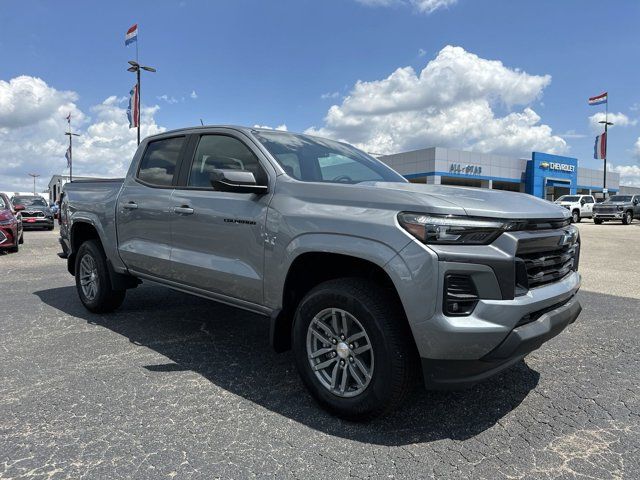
point(288, 62)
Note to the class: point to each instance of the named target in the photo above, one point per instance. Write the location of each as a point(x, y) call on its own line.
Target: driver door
point(218, 237)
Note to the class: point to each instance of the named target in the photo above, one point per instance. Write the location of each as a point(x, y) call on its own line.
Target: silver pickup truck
point(374, 282)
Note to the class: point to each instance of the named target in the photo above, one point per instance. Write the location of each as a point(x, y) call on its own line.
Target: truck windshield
point(30, 201)
point(620, 198)
point(568, 198)
point(313, 159)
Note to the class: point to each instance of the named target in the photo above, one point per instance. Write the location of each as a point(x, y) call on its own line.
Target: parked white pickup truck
point(580, 206)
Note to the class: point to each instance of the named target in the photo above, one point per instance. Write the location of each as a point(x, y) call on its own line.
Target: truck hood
point(480, 202)
point(604, 204)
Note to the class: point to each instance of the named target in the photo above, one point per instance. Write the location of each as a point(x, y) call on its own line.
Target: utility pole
point(136, 67)
point(70, 151)
point(34, 175)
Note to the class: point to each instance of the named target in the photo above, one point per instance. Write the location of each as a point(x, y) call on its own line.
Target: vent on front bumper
point(551, 265)
point(460, 295)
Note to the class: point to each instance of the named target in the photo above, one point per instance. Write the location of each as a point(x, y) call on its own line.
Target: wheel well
point(80, 233)
point(309, 270)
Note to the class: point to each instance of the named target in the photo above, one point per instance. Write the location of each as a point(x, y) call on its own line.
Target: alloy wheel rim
point(340, 352)
point(89, 281)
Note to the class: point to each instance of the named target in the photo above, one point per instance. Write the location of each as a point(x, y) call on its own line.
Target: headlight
point(442, 229)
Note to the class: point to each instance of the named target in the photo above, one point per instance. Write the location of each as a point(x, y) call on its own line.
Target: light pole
point(136, 67)
point(34, 175)
point(606, 140)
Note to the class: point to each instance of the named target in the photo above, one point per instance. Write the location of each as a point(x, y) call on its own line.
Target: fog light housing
point(460, 295)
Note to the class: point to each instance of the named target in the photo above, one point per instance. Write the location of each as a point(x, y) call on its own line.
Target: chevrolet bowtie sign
point(561, 167)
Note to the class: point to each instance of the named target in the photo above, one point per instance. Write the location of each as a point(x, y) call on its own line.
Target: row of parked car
point(23, 212)
point(621, 208)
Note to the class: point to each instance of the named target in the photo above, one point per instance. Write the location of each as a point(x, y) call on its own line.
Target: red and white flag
point(600, 147)
point(133, 110)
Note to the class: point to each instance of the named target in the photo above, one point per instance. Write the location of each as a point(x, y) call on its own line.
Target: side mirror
point(18, 208)
point(237, 181)
point(582, 202)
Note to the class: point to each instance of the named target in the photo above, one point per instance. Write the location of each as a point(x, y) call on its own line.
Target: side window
point(158, 165)
point(222, 152)
point(589, 199)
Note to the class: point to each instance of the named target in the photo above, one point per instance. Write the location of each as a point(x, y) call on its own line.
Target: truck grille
point(606, 209)
point(551, 265)
point(26, 214)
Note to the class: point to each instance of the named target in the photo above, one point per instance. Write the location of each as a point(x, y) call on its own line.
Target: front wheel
point(628, 218)
point(93, 282)
point(597, 221)
point(353, 348)
point(575, 216)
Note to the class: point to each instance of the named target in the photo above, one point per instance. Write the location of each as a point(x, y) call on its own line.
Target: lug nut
point(342, 336)
point(334, 341)
point(351, 359)
point(351, 346)
point(342, 363)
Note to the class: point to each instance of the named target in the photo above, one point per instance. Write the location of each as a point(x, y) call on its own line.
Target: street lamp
point(606, 141)
point(136, 67)
point(34, 175)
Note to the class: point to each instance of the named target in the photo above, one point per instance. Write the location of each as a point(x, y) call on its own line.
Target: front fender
point(278, 267)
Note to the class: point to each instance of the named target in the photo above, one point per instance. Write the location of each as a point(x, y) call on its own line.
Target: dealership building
point(543, 175)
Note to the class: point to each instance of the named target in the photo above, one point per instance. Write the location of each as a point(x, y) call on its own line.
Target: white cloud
point(629, 174)
point(32, 137)
point(430, 6)
point(282, 127)
point(619, 119)
point(450, 103)
point(193, 94)
point(166, 98)
point(422, 52)
point(422, 6)
point(329, 95)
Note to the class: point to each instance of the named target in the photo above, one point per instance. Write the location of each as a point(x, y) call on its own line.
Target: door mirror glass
point(582, 202)
point(237, 181)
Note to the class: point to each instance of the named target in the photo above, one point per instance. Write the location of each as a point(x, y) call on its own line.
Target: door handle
point(183, 210)
point(130, 206)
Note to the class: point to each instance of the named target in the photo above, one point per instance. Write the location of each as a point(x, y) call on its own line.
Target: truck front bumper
point(608, 216)
point(522, 340)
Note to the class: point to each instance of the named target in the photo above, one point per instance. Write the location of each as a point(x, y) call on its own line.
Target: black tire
point(395, 359)
point(575, 216)
point(14, 249)
point(597, 221)
point(50, 228)
point(105, 299)
point(628, 217)
point(21, 241)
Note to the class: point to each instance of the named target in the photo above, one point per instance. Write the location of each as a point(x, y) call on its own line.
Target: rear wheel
point(628, 217)
point(575, 216)
point(92, 280)
point(353, 348)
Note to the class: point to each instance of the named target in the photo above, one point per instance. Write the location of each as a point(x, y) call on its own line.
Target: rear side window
point(158, 165)
point(221, 152)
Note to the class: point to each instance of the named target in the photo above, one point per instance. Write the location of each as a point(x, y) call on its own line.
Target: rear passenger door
point(218, 242)
point(144, 208)
point(588, 206)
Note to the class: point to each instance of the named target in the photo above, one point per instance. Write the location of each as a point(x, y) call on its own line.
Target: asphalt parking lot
point(172, 386)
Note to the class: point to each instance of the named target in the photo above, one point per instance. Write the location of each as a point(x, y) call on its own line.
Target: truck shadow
point(230, 348)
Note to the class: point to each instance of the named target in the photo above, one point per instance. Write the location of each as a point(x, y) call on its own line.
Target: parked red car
point(11, 235)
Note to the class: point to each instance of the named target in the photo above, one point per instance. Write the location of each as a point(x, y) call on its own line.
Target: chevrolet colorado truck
point(375, 283)
point(580, 206)
point(617, 207)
